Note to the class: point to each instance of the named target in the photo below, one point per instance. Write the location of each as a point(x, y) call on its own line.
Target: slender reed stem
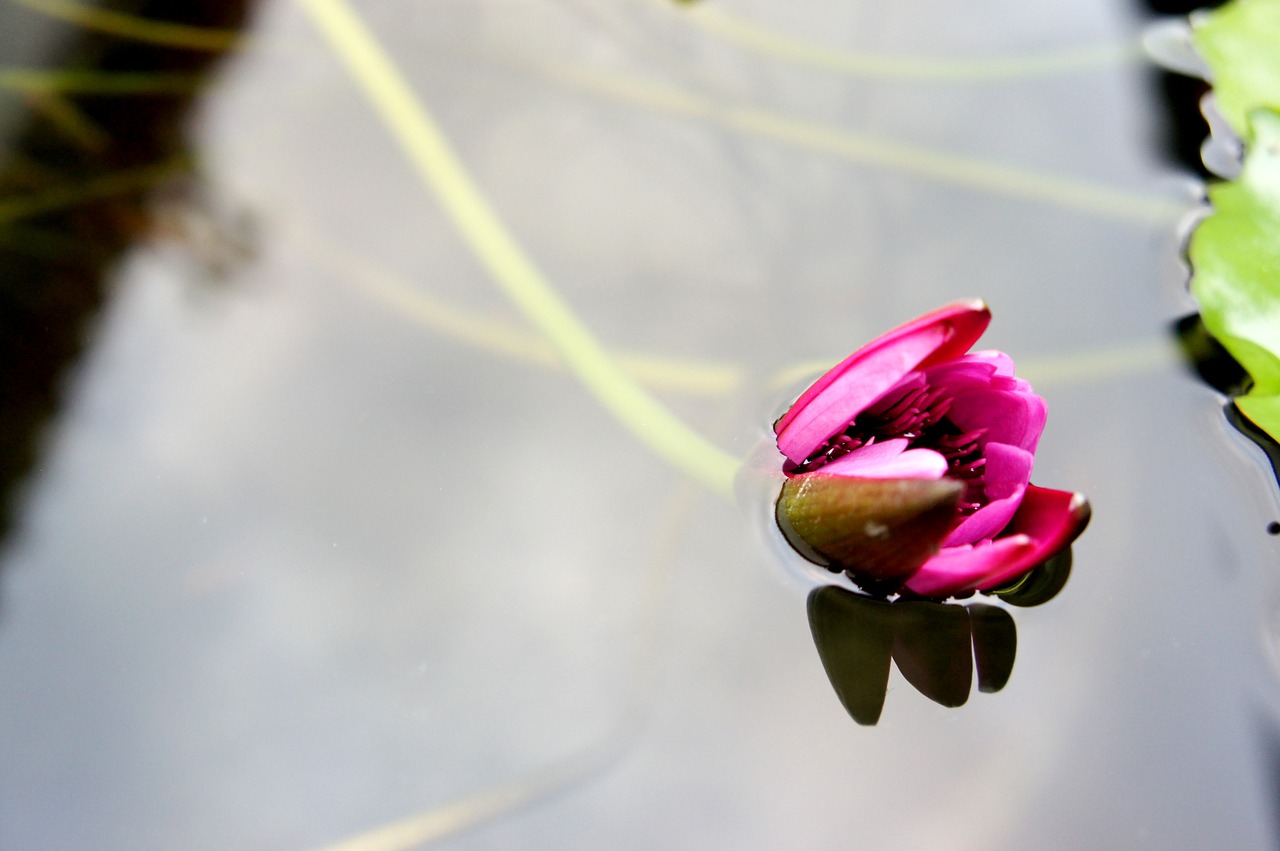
point(410, 122)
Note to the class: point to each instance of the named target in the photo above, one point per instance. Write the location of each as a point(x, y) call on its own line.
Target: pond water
point(314, 541)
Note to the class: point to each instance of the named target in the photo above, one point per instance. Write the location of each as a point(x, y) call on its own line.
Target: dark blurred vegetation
point(93, 142)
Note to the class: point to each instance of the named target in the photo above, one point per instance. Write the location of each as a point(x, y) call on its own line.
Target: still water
point(309, 535)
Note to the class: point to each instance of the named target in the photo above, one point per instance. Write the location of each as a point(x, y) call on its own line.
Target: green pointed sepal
point(877, 530)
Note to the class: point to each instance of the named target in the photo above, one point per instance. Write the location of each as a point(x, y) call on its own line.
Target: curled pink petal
point(860, 379)
point(1046, 523)
point(968, 320)
point(957, 569)
point(1012, 417)
point(1053, 519)
point(1008, 470)
point(1001, 362)
point(970, 372)
point(848, 393)
point(981, 368)
point(889, 460)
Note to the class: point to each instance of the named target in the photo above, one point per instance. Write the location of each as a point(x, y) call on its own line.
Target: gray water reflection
point(305, 555)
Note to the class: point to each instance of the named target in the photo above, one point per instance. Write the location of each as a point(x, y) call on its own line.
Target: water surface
point(317, 541)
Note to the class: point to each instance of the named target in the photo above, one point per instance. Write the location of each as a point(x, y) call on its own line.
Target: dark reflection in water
point(76, 183)
point(1184, 127)
point(1217, 368)
point(1181, 127)
point(937, 647)
point(1208, 358)
point(1265, 442)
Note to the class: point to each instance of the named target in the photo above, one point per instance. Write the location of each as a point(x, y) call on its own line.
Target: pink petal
point(999, 368)
point(860, 381)
point(1053, 519)
point(1047, 522)
point(1013, 417)
point(848, 388)
point(987, 395)
point(978, 370)
point(1002, 363)
point(1006, 475)
point(968, 319)
point(957, 569)
point(889, 460)
point(972, 371)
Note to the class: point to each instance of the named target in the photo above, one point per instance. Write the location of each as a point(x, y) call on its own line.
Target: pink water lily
point(908, 464)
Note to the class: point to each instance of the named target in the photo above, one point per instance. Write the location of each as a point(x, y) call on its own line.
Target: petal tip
point(1081, 511)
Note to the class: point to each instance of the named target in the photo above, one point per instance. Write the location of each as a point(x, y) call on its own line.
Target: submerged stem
point(440, 168)
point(137, 27)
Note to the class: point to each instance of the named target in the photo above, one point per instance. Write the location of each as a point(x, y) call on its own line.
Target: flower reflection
point(937, 647)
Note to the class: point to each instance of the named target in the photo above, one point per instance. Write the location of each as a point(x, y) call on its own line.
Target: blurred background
point(309, 539)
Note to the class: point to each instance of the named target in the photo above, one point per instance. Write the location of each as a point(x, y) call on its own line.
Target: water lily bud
point(908, 464)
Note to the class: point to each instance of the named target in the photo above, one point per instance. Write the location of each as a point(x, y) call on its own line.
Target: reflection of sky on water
point(294, 567)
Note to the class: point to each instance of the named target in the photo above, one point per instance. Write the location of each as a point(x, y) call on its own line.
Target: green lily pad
point(1235, 257)
point(1235, 252)
point(1239, 43)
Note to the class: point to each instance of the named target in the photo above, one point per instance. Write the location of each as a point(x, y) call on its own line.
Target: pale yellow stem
point(412, 125)
point(768, 42)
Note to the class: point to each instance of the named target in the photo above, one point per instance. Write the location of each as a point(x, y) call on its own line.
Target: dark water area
point(306, 535)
